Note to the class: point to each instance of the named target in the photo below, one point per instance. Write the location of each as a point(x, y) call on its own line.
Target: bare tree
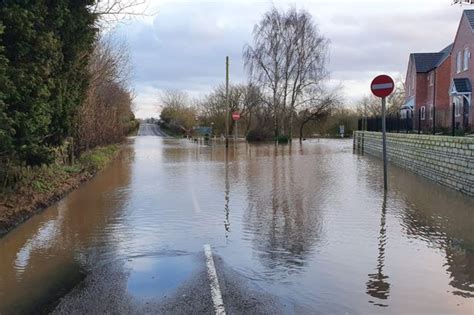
point(177, 111)
point(242, 98)
point(113, 11)
point(287, 61)
point(397, 99)
point(105, 115)
point(317, 110)
point(174, 98)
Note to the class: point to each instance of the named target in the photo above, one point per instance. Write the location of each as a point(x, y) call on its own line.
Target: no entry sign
point(235, 116)
point(382, 86)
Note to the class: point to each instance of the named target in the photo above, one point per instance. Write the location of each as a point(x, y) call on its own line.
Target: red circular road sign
point(235, 116)
point(382, 86)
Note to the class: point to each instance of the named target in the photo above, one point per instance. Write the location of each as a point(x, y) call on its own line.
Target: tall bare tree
point(287, 61)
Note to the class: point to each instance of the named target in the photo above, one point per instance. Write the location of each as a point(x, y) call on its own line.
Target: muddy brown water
point(309, 224)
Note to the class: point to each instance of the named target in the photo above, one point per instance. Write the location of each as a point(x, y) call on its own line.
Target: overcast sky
point(182, 44)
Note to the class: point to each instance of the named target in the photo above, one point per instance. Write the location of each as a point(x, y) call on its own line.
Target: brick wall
point(446, 160)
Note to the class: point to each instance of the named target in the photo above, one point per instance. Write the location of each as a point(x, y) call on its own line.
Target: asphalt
point(151, 130)
point(106, 291)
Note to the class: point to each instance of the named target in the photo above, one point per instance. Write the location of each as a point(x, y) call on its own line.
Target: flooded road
point(301, 229)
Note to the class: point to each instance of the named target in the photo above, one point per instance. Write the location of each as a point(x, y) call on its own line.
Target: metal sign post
point(236, 117)
point(227, 101)
point(384, 144)
point(382, 86)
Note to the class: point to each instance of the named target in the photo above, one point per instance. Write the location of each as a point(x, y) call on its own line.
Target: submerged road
point(175, 227)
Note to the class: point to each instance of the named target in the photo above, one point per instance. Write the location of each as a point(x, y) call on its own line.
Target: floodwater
point(308, 225)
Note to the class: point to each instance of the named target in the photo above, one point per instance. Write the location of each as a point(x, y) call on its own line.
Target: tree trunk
point(249, 123)
point(290, 131)
point(276, 122)
point(301, 132)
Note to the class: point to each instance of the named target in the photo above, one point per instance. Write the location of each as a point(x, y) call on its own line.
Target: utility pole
point(227, 101)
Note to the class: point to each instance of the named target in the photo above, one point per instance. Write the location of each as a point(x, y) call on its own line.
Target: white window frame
point(457, 106)
point(459, 62)
point(422, 112)
point(431, 111)
point(413, 82)
point(466, 57)
point(403, 114)
point(431, 78)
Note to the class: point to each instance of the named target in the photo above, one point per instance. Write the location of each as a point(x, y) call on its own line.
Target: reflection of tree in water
point(378, 286)
point(443, 219)
point(282, 218)
point(461, 267)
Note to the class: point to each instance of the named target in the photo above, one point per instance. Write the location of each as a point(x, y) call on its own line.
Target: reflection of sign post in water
point(378, 285)
point(341, 130)
point(382, 86)
point(227, 195)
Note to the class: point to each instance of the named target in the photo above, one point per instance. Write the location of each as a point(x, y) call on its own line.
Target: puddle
point(158, 277)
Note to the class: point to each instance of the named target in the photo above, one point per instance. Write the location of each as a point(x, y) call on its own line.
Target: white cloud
point(185, 44)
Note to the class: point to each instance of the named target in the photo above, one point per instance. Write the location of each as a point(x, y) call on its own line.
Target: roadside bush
point(256, 135)
point(444, 130)
point(282, 139)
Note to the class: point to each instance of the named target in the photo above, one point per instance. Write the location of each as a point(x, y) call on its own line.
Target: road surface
point(151, 130)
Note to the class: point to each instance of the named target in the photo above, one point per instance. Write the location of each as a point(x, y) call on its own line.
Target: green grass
point(96, 159)
point(47, 178)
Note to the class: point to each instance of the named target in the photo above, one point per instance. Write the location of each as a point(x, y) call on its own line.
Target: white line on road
point(215, 289)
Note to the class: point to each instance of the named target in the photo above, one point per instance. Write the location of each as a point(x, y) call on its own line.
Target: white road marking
point(215, 289)
point(382, 86)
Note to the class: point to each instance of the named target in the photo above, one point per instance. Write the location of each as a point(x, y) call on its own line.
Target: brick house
point(435, 82)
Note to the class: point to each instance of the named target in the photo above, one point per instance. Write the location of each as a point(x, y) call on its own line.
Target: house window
point(458, 62)
point(467, 55)
point(423, 112)
point(431, 79)
point(431, 112)
point(413, 82)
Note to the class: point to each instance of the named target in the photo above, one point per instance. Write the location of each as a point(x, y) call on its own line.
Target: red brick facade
point(464, 42)
point(429, 82)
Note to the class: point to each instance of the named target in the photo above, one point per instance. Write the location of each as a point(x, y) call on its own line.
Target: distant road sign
point(382, 86)
point(235, 116)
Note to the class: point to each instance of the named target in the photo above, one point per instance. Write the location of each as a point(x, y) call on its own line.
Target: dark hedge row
point(44, 49)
